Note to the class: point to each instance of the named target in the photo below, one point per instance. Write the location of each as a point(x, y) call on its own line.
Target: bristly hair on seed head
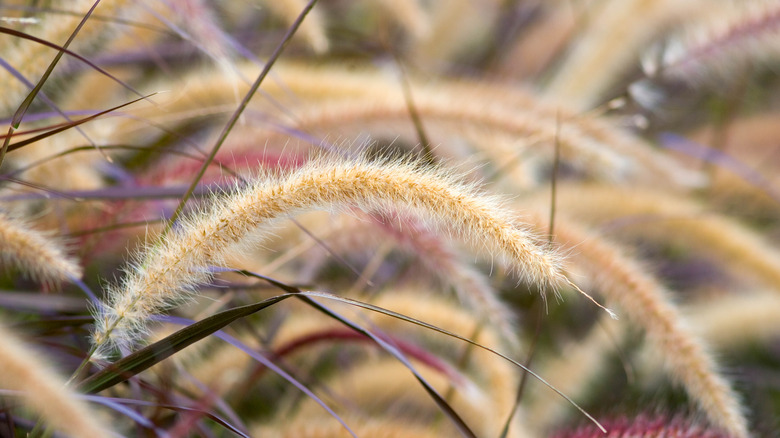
point(171, 270)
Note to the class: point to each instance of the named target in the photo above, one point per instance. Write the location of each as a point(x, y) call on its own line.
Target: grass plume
point(34, 252)
point(724, 43)
point(654, 214)
point(170, 270)
point(44, 391)
point(643, 300)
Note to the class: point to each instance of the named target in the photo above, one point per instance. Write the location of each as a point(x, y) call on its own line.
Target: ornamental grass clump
point(306, 218)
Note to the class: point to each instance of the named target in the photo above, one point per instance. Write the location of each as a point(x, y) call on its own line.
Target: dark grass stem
point(554, 177)
point(462, 361)
point(44, 98)
point(425, 143)
point(237, 114)
point(92, 65)
point(538, 330)
point(63, 127)
point(524, 377)
point(22, 110)
point(8, 421)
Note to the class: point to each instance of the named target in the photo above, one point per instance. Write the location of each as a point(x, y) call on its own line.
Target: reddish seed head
point(644, 426)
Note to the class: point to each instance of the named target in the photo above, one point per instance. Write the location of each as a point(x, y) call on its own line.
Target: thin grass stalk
point(242, 106)
point(312, 30)
point(572, 372)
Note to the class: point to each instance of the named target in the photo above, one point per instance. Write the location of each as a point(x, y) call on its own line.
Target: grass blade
point(395, 352)
point(237, 114)
point(453, 335)
point(146, 357)
point(299, 293)
point(22, 110)
point(67, 126)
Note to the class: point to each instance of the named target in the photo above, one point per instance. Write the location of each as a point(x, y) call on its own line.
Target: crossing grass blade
point(306, 297)
point(67, 126)
point(445, 407)
point(147, 357)
point(453, 335)
point(22, 110)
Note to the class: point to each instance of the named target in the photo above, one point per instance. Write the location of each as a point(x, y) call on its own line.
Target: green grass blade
point(141, 360)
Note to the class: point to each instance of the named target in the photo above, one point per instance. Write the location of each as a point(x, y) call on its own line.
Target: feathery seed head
point(720, 46)
point(643, 300)
point(45, 391)
point(646, 427)
point(172, 269)
point(38, 255)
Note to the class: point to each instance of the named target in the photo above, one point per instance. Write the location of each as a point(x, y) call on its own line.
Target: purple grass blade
point(87, 291)
point(124, 410)
point(112, 193)
point(697, 150)
point(219, 402)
